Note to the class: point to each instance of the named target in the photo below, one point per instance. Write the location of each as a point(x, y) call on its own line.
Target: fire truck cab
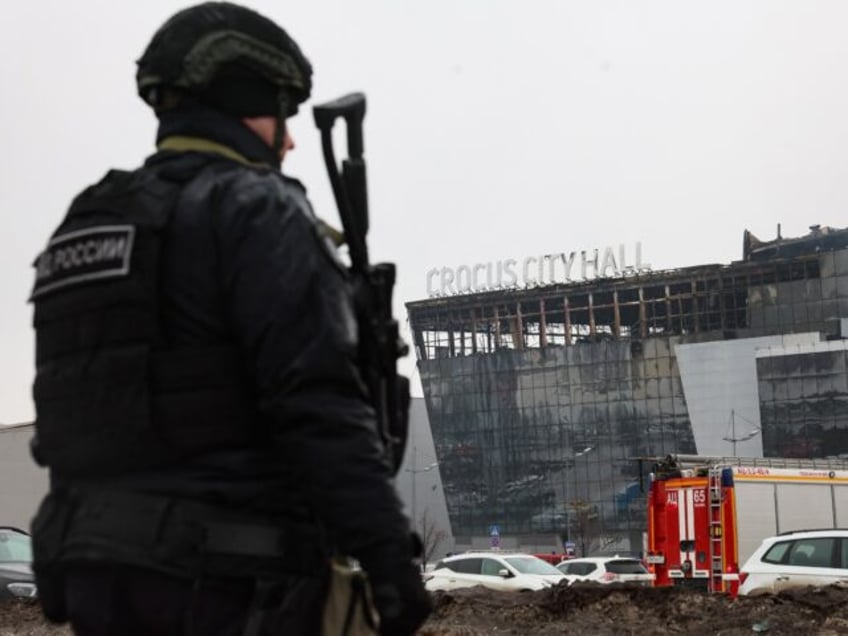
point(706, 515)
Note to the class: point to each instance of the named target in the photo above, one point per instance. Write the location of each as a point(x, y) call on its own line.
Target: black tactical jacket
point(245, 263)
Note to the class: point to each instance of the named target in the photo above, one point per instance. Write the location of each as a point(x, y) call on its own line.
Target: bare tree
point(606, 541)
point(431, 536)
point(583, 527)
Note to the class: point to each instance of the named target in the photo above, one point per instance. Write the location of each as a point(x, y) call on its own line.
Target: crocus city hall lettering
point(535, 271)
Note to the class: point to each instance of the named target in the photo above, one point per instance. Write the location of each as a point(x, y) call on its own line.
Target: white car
point(507, 571)
point(796, 559)
point(614, 569)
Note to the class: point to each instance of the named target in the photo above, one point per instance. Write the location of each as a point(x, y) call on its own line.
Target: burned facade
point(540, 398)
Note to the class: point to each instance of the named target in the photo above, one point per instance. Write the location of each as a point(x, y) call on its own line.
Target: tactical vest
point(110, 395)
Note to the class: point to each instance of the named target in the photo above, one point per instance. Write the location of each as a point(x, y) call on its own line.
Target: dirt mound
point(24, 618)
point(593, 610)
point(622, 610)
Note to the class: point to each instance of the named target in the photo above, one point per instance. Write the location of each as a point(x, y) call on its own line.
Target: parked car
point(615, 569)
point(796, 559)
point(514, 571)
point(16, 578)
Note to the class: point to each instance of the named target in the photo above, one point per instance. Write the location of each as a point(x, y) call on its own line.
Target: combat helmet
point(226, 56)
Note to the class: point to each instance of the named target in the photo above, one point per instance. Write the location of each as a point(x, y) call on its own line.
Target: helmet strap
point(280, 128)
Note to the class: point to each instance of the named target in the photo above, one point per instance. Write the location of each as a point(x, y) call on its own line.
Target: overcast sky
point(495, 129)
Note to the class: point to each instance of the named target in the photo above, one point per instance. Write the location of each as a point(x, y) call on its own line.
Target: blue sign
point(495, 534)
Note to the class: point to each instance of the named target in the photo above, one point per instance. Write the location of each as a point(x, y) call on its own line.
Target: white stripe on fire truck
point(681, 519)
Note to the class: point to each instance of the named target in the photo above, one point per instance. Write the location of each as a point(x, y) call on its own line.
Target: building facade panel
point(523, 449)
point(803, 395)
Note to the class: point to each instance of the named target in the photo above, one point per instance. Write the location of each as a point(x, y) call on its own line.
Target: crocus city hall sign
point(534, 271)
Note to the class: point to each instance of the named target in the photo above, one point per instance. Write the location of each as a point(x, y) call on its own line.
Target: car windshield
point(630, 566)
point(532, 565)
point(15, 547)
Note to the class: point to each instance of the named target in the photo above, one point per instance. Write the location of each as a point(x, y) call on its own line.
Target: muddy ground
point(621, 611)
point(588, 609)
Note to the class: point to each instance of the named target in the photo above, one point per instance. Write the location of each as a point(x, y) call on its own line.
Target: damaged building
point(540, 396)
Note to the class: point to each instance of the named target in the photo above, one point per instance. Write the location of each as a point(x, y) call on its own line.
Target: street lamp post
point(414, 471)
point(577, 506)
point(731, 433)
point(581, 453)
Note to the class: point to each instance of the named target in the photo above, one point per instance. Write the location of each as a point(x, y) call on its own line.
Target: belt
point(187, 537)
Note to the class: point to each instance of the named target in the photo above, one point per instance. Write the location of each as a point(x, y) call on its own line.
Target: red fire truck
point(706, 515)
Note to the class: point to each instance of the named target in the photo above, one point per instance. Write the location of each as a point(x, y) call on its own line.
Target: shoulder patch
point(83, 256)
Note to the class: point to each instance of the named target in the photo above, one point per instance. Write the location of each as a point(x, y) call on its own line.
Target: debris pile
point(591, 609)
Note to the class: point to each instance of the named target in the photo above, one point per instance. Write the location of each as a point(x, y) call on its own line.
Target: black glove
point(399, 594)
point(403, 603)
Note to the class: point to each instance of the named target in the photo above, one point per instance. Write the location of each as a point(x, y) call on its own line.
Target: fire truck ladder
point(703, 461)
point(716, 531)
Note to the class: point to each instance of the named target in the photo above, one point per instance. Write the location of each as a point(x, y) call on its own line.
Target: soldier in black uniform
point(210, 441)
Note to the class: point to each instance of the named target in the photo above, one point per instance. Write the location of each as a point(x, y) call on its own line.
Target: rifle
point(380, 343)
